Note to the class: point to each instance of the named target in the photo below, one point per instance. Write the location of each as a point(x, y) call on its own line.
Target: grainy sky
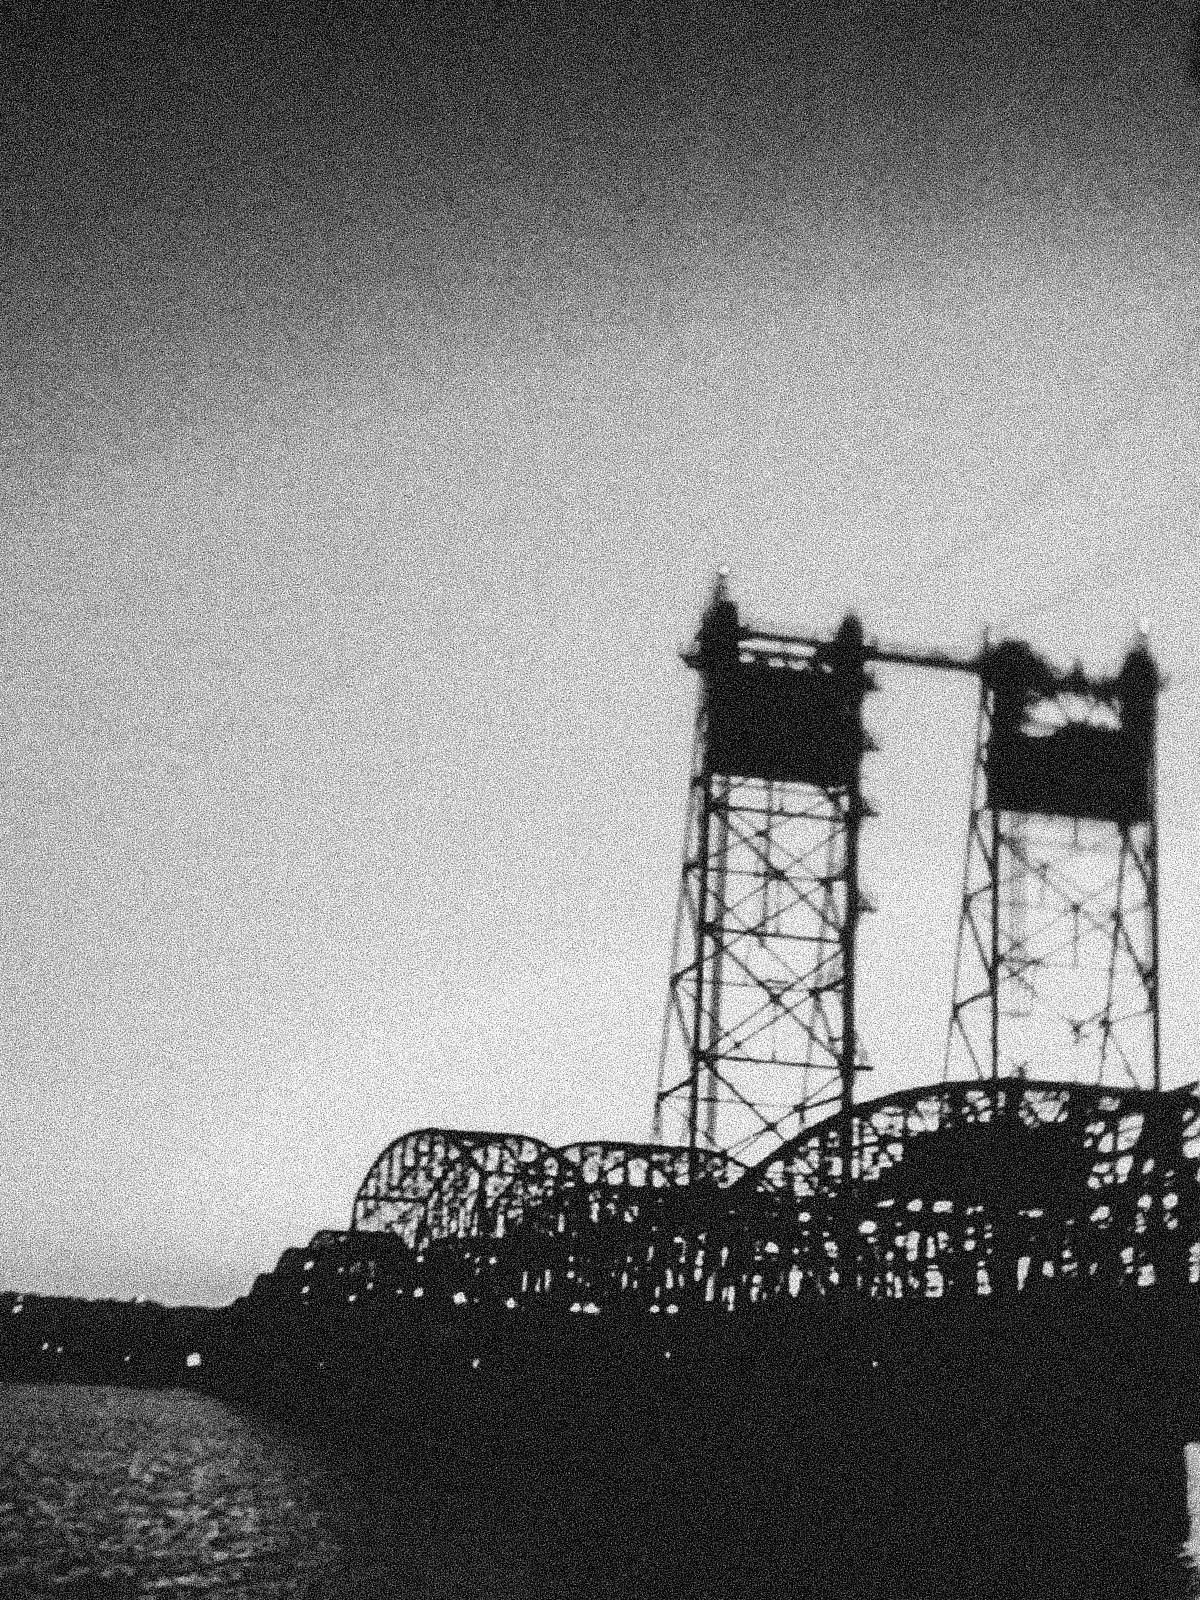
point(378, 401)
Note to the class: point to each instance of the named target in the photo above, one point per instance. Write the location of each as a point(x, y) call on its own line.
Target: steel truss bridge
point(769, 1181)
point(956, 1191)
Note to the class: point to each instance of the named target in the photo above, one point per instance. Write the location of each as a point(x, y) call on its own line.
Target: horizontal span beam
point(938, 660)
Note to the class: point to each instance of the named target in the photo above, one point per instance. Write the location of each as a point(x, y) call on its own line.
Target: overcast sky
point(377, 406)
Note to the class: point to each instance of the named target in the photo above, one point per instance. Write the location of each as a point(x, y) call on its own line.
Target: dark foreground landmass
point(948, 1451)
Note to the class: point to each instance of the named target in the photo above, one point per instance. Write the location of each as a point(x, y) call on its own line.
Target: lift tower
point(760, 1032)
point(1056, 973)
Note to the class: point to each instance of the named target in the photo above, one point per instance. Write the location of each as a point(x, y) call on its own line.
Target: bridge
point(1003, 1182)
point(800, 1307)
point(956, 1190)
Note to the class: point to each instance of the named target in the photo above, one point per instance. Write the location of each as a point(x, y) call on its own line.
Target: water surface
point(110, 1493)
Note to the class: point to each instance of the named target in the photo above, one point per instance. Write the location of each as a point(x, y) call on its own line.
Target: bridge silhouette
point(782, 1186)
point(800, 1322)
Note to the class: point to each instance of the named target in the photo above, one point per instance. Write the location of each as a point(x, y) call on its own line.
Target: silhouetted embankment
point(917, 1451)
point(65, 1339)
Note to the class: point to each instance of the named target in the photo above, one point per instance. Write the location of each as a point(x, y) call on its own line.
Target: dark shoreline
point(947, 1452)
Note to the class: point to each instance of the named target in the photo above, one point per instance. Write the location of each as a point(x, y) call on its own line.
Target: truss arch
point(439, 1184)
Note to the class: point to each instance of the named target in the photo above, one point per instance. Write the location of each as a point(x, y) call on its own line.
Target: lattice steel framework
point(1033, 1179)
point(1057, 966)
point(760, 1032)
point(960, 1190)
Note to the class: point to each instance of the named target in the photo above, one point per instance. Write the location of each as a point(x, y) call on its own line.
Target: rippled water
point(128, 1491)
point(110, 1492)
point(124, 1492)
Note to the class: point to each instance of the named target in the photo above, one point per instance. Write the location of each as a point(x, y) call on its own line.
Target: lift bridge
point(1046, 1160)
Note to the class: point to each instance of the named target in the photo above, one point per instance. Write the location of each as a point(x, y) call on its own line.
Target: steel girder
point(437, 1184)
point(959, 1190)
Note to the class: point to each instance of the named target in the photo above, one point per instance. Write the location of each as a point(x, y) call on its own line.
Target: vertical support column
point(994, 948)
point(848, 1063)
point(697, 1052)
point(847, 1228)
point(973, 943)
point(1152, 889)
point(850, 666)
point(718, 814)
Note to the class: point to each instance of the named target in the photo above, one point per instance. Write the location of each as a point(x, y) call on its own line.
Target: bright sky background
point(376, 409)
